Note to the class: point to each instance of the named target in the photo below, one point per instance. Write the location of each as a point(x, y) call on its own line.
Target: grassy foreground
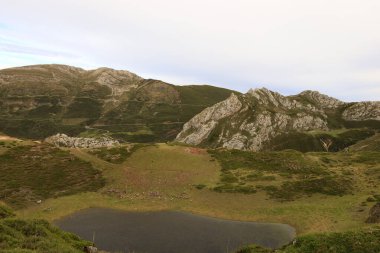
point(28, 236)
point(164, 177)
point(363, 241)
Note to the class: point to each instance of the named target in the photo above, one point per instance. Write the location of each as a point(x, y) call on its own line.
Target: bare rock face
point(200, 127)
point(252, 120)
point(374, 214)
point(119, 81)
point(62, 140)
point(249, 121)
point(321, 100)
point(362, 111)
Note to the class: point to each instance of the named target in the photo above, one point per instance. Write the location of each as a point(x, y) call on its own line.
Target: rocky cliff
point(250, 121)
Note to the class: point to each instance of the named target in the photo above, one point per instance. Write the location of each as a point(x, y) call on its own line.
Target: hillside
point(370, 144)
point(36, 235)
point(361, 241)
point(42, 100)
point(265, 120)
point(313, 192)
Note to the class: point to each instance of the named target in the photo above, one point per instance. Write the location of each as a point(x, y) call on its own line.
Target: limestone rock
point(62, 140)
point(252, 120)
point(321, 100)
point(200, 126)
point(362, 111)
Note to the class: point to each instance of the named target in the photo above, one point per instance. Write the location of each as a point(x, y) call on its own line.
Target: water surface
point(171, 232)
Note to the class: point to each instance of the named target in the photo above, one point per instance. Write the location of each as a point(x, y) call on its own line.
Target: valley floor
point(167, 177)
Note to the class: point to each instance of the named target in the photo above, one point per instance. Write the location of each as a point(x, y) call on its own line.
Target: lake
point(171, 231)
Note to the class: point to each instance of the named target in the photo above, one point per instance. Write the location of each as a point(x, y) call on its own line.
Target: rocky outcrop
point(374, 214)
point(362, 111)
point(252, 120)
point(119, 81)
point(321, 100)
point(62, 140)
point(200, 127)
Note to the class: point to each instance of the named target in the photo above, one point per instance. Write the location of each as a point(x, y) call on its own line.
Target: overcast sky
point(285, 45)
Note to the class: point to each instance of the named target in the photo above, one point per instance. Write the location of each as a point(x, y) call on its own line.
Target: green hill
point(41, 100)
point(369, 144)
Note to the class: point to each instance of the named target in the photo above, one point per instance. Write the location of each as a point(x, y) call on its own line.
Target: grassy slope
point(27, 236)
point(359, 241)
point(310, 141)
point(369, 144)
point(163, 177)
point(30, 172)
point(288, 175)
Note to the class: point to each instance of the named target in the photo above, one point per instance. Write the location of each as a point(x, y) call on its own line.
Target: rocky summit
point(251, 121)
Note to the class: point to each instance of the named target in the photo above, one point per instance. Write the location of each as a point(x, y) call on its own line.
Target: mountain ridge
point(41, 100)
point(250, 121)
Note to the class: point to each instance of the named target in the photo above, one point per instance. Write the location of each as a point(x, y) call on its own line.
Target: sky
point(288, 46)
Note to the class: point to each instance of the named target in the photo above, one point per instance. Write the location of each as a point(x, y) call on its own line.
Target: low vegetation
point(116, 154)
point(30, 173)
point(288, 175)
point(35, 236)
point(311, 141)
point(170, 177)
point(362, 241)
point(369, 144)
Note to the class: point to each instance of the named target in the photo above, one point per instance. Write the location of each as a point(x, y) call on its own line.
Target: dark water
point(171, 232)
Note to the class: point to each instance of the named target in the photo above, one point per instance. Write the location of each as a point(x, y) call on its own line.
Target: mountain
point(41, 100)
point(265, 120)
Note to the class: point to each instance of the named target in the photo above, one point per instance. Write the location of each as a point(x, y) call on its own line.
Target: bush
point(5, 212)
point(17, 235)
point(200, 186)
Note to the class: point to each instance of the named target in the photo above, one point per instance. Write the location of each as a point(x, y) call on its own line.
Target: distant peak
point(102, 70)
point(256, 90)
point(320, 99)
point(48, 66)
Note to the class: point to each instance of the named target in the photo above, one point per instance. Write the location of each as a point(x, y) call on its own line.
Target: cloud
point(286, 45)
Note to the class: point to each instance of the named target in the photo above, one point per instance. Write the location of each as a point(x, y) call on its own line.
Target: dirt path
point(8, 138)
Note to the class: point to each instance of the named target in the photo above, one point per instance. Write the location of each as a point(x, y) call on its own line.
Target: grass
point(288, 175)
point(297, 174)
point(169, 177)
point(358, 241)
point(29, 173)
point(164, 177)
point(116, 154)
point(310, 141)
point(369, 144)
point(24, 236)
